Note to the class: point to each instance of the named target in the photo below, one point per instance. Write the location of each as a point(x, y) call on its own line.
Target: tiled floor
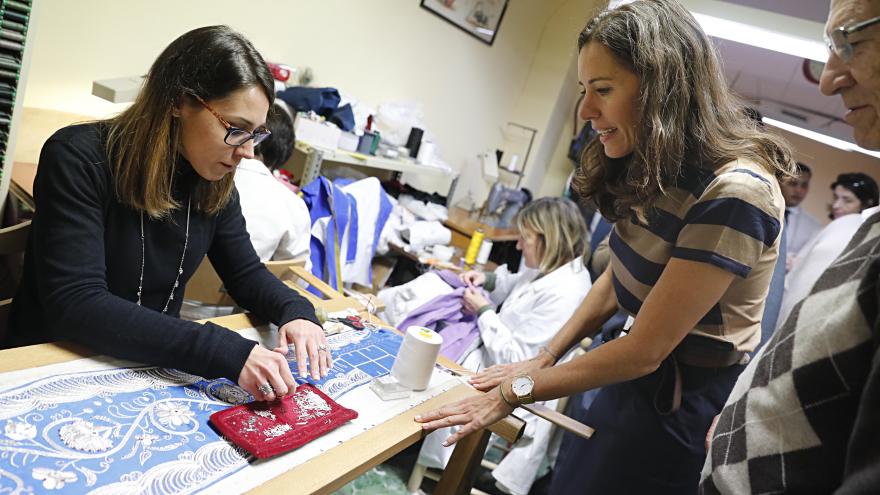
point(391, 477)
point(381, 480)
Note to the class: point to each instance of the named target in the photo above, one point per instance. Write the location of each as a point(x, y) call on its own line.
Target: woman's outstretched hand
point(473, 413)
point(492, 376)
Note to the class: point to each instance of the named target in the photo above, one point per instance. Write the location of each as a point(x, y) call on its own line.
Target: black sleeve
point(71, 192)
point(862, 468)
point(246, 278)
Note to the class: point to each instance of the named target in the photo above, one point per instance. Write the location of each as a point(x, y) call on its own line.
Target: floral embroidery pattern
point(173, 413)
point(145, 429)
point(53, 480)
point(17, 430)
point(85, 436)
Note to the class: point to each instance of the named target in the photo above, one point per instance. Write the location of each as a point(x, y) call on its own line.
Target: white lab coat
point(276, 218)
point(533, 311)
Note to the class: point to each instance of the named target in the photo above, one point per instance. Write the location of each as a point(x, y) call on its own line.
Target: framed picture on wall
point(480, 18)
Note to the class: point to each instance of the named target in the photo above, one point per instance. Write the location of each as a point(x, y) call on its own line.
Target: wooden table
point(463, 226)
point(336, 467)
point(455, 264)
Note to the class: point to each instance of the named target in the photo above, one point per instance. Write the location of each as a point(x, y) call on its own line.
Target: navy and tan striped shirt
point(731, 218)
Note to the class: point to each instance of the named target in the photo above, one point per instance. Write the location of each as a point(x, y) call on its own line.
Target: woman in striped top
point(692, 186)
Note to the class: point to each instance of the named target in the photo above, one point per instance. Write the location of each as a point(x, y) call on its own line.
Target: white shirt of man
point(277, 219)
point(817, 256)
point(801, 227)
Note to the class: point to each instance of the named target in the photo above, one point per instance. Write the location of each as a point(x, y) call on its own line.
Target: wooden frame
point(479, 18)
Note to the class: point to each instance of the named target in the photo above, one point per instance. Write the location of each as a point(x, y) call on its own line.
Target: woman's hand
point(266, 367)
point(472, 301)
point(309, 343)
point(493, 376)
point(474, 413)
point(473, 278)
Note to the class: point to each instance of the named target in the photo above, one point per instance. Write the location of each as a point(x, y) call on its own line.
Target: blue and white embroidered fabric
point(145, 429)
point(358, 357)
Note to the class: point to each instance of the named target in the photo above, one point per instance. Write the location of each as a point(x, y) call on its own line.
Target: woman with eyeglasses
point(128, 207)
point(852, 193)
point(691, 185)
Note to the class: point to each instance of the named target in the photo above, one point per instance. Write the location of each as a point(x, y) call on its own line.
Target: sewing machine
point(511, 199)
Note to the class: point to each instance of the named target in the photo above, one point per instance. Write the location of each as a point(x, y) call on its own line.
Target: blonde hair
point(561, 230)
point(688, 115)
point(143, 142)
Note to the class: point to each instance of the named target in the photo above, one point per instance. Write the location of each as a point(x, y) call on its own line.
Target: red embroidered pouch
point(266, 429)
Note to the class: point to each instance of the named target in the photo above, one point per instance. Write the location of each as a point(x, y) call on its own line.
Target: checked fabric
point(804, 416)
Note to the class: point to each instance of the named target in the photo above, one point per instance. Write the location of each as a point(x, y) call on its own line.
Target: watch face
point(522, 385)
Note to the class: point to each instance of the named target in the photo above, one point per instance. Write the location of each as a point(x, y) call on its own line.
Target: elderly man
point(804, 416)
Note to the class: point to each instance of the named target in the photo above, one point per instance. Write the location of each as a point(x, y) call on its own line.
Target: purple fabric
point(460, 329)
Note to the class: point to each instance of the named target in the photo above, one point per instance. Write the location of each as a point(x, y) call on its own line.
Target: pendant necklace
point(179, 267)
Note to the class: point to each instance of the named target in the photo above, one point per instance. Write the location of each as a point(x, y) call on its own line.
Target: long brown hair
point(143, 141)
point(688, 115)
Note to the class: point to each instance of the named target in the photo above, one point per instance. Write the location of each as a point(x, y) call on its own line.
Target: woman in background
point(534, 302)
point(852, 193)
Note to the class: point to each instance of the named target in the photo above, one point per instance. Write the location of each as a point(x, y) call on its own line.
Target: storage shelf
point(315, 155)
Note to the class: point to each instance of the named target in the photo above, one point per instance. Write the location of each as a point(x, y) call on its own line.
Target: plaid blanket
point(804, 416)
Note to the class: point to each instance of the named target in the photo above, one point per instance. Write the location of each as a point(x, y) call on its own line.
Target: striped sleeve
point(734, 221)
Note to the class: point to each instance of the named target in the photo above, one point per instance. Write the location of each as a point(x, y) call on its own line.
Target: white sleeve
point(504, 283)
point(535, 328)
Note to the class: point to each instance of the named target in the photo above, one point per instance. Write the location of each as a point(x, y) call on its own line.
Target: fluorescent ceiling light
point(762, 38)
point(822, 138)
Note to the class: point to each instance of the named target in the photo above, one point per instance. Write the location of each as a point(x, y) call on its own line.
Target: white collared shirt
point(277, 219)
point(817, 256)
point(802, 228)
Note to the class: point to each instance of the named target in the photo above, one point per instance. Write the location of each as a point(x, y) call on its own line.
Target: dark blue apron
point(637, 449)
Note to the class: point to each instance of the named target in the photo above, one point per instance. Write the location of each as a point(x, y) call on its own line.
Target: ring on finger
point(265, 388)
point(322, 347)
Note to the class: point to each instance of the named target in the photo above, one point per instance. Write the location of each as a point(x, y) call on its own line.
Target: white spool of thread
point(415, 360)
point(485, 250)
point(426, 153)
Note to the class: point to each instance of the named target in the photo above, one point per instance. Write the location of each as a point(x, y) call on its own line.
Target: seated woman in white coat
point(534, 303)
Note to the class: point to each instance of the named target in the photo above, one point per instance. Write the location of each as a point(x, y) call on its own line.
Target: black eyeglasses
point(838, 41)
point(234, 135)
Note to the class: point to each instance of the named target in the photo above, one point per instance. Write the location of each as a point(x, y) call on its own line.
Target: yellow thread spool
point(470, 256)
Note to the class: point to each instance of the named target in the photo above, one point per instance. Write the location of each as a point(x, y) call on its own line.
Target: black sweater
point(83, 264)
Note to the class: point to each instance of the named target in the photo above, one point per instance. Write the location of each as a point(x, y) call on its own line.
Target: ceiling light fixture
point(762, 38)
point(822, 138)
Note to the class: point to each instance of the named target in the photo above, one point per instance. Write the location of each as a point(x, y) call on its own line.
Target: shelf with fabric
point(315, 156)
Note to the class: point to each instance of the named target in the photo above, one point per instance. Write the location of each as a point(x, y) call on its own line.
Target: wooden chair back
point(205, 286)
point(13, 242)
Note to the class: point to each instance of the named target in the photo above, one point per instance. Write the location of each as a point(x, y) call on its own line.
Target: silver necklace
point(179, 267)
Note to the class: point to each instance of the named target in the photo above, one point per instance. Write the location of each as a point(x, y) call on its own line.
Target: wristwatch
point(522, 386)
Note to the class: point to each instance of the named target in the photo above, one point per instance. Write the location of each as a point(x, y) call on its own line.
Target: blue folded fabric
point(323, 101)
point(324, 199)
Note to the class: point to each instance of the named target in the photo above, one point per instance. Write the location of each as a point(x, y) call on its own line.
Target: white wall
point(376, 51)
